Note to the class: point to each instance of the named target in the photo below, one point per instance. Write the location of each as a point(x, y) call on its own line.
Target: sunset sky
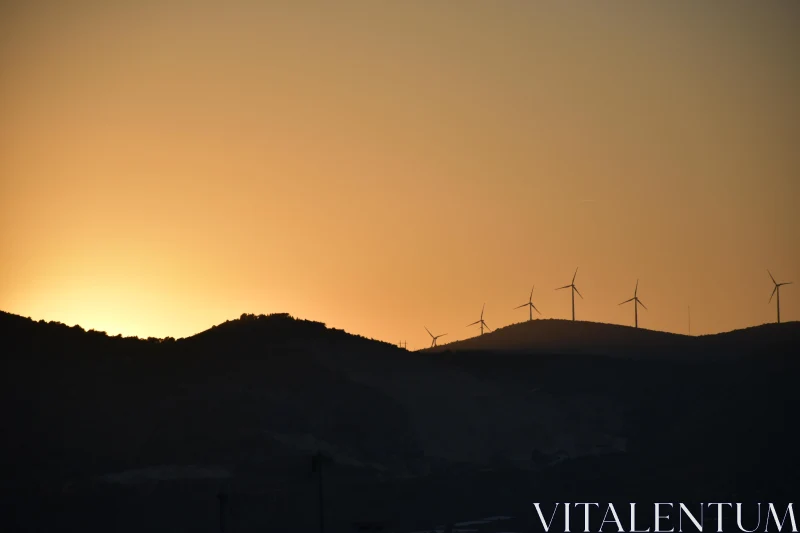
point(381, 166)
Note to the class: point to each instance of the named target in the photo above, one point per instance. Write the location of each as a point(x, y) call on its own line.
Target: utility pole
point(223, 500)
point(316, 466)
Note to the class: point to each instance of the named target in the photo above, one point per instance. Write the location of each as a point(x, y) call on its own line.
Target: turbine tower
point(777, 290)
point(636, 303)
point(481, 322)
point(573, 291)
point(433, 337)
point(529, 305)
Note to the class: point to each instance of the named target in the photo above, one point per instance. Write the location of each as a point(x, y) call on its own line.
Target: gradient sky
point(380, 166)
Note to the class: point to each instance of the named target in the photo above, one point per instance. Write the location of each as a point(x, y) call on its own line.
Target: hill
point(553, 336)
point(289, 380)
point(123, 434)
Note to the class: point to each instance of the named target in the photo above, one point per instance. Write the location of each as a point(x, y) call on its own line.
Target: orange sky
point(380, 166)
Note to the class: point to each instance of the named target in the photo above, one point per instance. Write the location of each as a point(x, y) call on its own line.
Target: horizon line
point(379, 340)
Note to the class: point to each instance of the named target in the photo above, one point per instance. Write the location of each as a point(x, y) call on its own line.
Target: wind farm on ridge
point(574, 290)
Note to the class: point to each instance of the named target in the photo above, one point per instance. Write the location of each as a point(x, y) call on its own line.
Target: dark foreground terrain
point(106, 434)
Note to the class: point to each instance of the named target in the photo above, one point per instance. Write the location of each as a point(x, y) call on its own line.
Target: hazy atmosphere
point(165, 166)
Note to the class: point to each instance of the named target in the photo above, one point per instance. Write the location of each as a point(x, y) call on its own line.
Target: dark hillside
point(109, 433)
point(552, 336)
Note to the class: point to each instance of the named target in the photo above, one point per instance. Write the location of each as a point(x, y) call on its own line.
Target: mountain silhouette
point(551, 336)
point(109, 433)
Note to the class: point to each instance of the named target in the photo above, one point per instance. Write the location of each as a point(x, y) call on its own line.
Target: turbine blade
point(429, 331)
point(640, 303)
point(773, 293)
point(487, 326)
point(626, 301)
point(482, 308)
point(786, 283)
point(576, 290)
point(564, 287)
point(534, 307)
point(573, 276)
point(523, 305)
point(531, 296)
point(443, 334)
point(637, 288)
point(770, 277)
point(477, 322)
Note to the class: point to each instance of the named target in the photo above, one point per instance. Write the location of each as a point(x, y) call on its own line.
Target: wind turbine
point(573, 291)
point(481, 322)
point(636, 303)
point(433, 337)
point(530, 305)
point(777, 290)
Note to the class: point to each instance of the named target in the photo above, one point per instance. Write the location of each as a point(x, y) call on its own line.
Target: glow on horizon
point(380, 167)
